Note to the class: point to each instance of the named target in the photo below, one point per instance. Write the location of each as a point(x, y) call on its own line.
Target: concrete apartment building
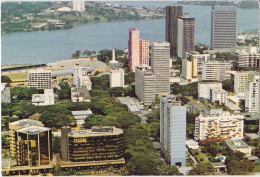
point(223, 27)
point(144, 52)
point(173, 130)
point(218, 95)
point(40, 79)
point(78, 6)
point(189, 69)
point(186, 28)
point(240, 79)
point(117, 77)
point(252, 94)
point(215, 70)
point(160, 59)
point(14, 126)
point(199, 57)
point(171, 34)
point(133, 48)
point(81, 78)
point(145, 84)
point(44, 99)
point(204, 88)
point(247, 57)
point(221, 125)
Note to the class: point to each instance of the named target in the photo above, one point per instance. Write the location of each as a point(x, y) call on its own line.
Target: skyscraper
point(160, 56)
point(173, 130)
point(223, 27)
point(40, 79)
point(185, 35)
point(78, 6)
point(144, 52)
point(172, 14)
point(133, 48)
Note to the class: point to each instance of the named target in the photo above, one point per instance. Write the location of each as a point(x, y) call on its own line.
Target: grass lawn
point(202, 156)
point(17, 77)
point(188, 164)
point(257, 168)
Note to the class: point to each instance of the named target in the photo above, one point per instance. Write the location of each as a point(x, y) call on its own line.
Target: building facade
point(40, 79)
point(145, 84)
point(223, 27)
point(117, 77)
point(204, 88)
point(240, 79)
point(33, 146)
point(173, 130)
point(200, 59)
point(44, 99)
point(171, 34)
point(219, 126)
point(80, 77)
point(218, 95)
point(144, 52)
point(189, 69)
point(95, 144)
point(186, 28)
point(247, 57)
point(133, 48)
point(160, 59)
point(252, 94)
point(215, 71)
point(78, 6)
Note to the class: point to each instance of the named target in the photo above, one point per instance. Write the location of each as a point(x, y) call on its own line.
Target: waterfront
point(49, 46)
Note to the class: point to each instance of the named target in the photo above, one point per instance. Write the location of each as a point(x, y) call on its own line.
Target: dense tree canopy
point(65, 91)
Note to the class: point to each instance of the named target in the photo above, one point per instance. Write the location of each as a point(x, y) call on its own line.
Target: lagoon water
point(50, 46)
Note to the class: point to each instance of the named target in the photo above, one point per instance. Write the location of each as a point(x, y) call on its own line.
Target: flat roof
point(38, 98)
point(200, 106)
point(25, 122)
point(126, 100)
point(33, 130)
point(90, 133)
point(83, 112)
point(236, 143)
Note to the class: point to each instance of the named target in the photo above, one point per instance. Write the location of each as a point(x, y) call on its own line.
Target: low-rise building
point(204, 88)
point(218, 95)
point(219, 126)
point(237, 145)
point(80, 94)
point(191, 144)
point(196, 107)
point(43, 99)
point(80, 116)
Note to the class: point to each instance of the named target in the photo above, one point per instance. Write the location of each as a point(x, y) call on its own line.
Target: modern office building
point(199, 57)
point(173, 130)
point(189, 69)
point(133, 48)
point(44, 99)
point(13, 126)
point(144, 52)
point(33, 146)
point(117, 77)
point(186, 28)
point(171, 33)
point(219, 126)
point(223, 27)
point(216, 70)
point(240, 79)
point(247, 57)
point(95, 144)
point(40, 79)
point(78, 6)
point(218, 95)
point(204, 88)
point(160, 59)
point(145, 84)
point(252, 94)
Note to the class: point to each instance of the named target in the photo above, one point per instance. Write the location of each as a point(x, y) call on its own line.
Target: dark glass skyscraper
point(172, 14)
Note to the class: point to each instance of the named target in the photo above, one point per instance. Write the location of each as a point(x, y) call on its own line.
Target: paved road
point(194, 160)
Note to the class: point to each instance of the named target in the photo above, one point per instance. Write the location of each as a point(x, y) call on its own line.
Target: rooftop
point(197, 104)
point(33, 130)
point(97, 131)
point(236, 143)
point(126, 100)
point(25, 122)
point(38, 98)
point(83, 112)
point(172, 100)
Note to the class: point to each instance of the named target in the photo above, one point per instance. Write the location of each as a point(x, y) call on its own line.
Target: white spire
point(113, 57)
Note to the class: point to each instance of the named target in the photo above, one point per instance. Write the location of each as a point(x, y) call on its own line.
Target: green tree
point(65, 91)
point(202, 169)
point(6, 79)
point(24, 109)
point(228, 85)
point(130, 78)
point(56, 145)
point(5, 141)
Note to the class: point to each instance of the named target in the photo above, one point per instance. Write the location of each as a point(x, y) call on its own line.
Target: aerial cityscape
point(130, 88)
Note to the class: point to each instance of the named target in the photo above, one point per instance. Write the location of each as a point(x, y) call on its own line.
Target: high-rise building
point(199, 57)
point(223, 27)
point(247, 57)
point(173, 130)
point(40, 79)
point(13, 126)
point(160, 56)
point(144, 52)
point(189, 69)
point(219, 126)
point(204, 88)
point(240, 79)
point(215, 70)
point(133, 48)
point(218, 95)
point(78, 6)
point(117, 77)
point(172, 14)
point(186, 28)
point(95, 144)
point(252, 94)
point(81, 78)
point(145, 84)
point(33, 146)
